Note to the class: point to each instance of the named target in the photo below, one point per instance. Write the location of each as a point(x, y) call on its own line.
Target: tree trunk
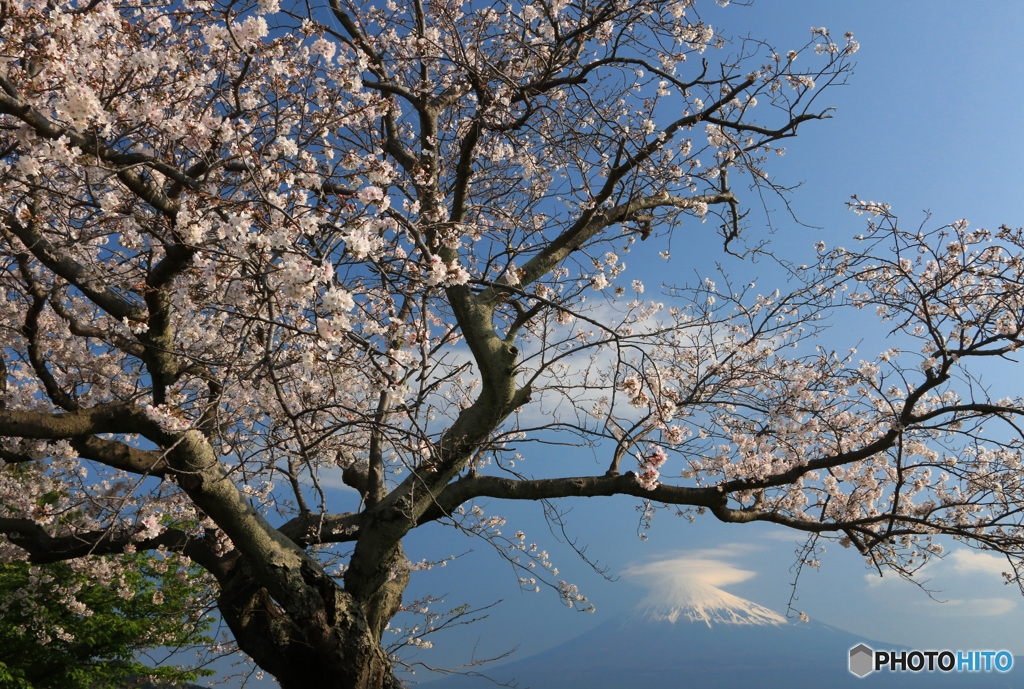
point(285, 611)
point(334, 642)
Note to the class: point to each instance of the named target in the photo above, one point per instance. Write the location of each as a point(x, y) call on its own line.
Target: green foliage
point(83, 624)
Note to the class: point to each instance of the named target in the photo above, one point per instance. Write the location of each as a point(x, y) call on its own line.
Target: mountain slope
point(697, 635)
point(699, 602)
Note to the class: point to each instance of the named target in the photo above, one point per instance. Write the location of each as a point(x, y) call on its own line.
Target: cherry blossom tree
point(253, 250)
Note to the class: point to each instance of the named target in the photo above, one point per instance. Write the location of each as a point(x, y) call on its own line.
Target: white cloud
point(971, 607)
point(957, 584)
point(332, 479)
point(965, 561)
point(703, 566)
point(785, 535)
point(959, 562)
point(874, 581)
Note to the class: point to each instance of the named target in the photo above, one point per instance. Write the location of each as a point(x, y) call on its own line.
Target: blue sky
point(930, 121)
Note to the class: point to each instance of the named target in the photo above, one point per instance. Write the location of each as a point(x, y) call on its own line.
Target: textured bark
point(337, 647)
point(286, 612)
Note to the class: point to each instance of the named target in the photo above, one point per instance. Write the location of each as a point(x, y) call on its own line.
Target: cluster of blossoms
point(572, 597)
point(167, 417)
point(151, 527)
point(648, 474)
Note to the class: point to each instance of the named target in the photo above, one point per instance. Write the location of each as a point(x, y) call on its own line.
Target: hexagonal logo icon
point(861, 660)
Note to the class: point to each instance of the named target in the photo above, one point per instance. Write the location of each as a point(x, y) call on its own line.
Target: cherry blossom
point(251, 252)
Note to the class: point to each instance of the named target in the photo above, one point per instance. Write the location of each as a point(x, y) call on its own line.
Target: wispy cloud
point(959, 581)
point(786, 535)
point(971, 607)
point(958, 563)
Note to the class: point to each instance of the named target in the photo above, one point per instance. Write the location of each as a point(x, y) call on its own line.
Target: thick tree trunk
point(285, 611)
point(333, 643)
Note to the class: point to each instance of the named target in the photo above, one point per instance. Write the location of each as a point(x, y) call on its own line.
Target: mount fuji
point(697, 635)
point(702, 603)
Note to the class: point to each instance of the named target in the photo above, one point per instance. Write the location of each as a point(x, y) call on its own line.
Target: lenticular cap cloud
point(685, 589)
point(687, 569)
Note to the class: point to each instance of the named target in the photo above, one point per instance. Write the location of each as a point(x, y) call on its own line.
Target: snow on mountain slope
point(698, 601)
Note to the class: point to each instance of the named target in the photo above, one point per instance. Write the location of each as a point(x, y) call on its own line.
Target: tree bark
point(286, 612)
point(334, 644)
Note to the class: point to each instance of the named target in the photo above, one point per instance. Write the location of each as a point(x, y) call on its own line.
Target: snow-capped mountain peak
point(700, 602)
